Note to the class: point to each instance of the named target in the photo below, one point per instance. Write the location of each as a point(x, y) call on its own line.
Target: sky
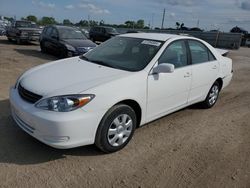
point(207, 14)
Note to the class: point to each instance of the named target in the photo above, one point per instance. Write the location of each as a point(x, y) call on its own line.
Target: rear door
point(205, 69)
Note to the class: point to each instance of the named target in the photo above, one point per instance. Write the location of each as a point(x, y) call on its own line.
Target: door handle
point(187, 75)
point(214, 67)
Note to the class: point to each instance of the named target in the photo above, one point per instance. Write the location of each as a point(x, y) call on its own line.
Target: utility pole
point(152, 23)
point(88, 22)
point(163, 18)
point(198, 23)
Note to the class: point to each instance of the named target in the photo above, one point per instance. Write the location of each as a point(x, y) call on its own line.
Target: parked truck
point(23, 31)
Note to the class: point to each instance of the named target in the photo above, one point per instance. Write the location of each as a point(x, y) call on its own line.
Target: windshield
point(23, 24)
point(111, 30)
point(131, 54)
point(71, 33)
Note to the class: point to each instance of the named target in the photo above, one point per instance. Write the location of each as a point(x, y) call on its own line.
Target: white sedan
point(101, 97)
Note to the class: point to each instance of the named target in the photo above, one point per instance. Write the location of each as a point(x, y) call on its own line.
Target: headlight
point(64, 103)
point(69, 47)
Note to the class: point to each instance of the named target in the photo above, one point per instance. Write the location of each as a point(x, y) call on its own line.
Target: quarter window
point(200, 53)
point(176, 54)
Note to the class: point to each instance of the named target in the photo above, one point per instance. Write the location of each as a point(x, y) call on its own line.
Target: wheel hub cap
point(213, 95)
point(120, 130)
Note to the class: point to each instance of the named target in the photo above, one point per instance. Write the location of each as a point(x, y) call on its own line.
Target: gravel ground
point(190, 148)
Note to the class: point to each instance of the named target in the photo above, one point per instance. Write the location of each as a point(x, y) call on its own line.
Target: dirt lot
point(190, 148)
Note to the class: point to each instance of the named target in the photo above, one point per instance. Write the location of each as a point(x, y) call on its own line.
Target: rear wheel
point(212, 96)
point(116, 128)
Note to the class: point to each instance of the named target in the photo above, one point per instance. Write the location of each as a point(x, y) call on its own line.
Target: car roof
point(152, 36)
point(63, 27)
point(102, 27)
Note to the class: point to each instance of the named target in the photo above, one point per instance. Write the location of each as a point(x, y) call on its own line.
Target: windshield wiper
point(102, 63)
point(97, 62)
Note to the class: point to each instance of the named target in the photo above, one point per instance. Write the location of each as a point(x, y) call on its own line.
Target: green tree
point(32, 18)
point(10, 19)
point(67, 22)
point(130, 24)
point(102, 22)
point(93, 23)
point(177, 25)
point(82, 23)
point(140, 24)
point(47, 21)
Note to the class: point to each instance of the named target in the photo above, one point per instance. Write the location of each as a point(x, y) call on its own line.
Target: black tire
point(102, 138)
point(63, 53)
point(18, 41)
point(43, 48)
point(9, 39)
point(207, 103)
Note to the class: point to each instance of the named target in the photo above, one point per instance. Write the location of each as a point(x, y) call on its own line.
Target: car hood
point(79, 43)
point(114, 34)
point(68, 76)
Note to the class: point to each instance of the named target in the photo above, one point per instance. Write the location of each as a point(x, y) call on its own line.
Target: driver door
point(168, 92)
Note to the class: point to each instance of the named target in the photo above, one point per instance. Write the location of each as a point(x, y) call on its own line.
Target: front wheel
point(43, 48)
point(212, 96)
point(116, 128)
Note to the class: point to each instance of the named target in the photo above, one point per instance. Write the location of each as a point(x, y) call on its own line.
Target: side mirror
point(163, 68)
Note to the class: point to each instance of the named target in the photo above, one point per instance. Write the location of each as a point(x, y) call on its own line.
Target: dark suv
point(64, 41)
point(101, 34)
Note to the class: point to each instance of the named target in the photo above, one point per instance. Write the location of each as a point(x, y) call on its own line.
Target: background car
point(2, 30)
point(64, 41)
point(248, 43)
point(85, 32)
point(126, 82)
point(101, 33)
point(23, 31)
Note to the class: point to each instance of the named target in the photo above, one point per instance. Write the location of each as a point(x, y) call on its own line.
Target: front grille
point(27, 95)
point(34, 34)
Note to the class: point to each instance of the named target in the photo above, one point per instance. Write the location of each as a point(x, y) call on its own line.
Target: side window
point(54, 33)
point(199, 52)
point(48, 31)
point(176, 54)
point(45, 30)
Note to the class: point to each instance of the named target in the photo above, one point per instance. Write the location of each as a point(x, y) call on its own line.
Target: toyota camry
point(102, 96)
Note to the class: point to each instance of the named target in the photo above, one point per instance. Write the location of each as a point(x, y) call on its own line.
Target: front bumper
point(57, 129)
point(29, 37)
